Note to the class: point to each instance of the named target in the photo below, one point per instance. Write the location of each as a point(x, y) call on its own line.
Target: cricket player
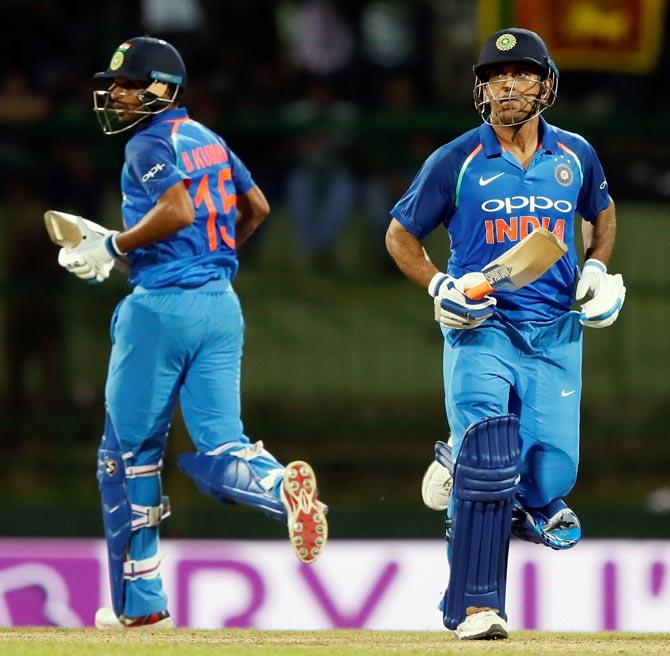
point(512, 362)
point(188, 203)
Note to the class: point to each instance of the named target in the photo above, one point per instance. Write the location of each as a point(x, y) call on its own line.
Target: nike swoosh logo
point(484, 181)
point(564, 393)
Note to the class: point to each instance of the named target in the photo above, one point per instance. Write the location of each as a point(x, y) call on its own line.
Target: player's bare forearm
point(599, 236)
point(252, 208)
point(172, 212)
point(409, 255)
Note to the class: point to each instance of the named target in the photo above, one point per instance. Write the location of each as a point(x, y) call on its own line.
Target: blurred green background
point(342, 361)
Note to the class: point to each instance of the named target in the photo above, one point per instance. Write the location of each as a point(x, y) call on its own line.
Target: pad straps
point(147, 516)
point(147, 568)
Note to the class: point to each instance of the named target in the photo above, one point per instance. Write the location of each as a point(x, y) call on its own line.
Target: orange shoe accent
point(144, 620)
point(106, 620)
point(307, 524)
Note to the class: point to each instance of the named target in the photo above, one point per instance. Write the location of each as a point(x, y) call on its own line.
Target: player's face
point(513, 90)
point(123, 98)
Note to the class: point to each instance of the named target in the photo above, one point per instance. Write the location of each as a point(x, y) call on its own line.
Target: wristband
point(112, 248)
point(595, 263)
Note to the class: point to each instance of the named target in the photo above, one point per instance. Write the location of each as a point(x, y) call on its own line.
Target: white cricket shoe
point(483, 625)
point(107, 620)
point(307, 524)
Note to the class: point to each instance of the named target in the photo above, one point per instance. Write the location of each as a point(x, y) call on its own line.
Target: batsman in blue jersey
point(512, 363)
point(188, 203)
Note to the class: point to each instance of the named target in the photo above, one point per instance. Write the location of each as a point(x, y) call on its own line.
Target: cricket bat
point(521, 265)
point(70, 230)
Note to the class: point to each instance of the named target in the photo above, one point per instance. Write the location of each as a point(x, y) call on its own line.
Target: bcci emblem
point(505, 42)
point(119, 56)
point(110, 467)
point(117, 60)
point(563, 175)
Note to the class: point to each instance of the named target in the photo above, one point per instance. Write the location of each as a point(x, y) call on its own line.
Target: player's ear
point(157, 90)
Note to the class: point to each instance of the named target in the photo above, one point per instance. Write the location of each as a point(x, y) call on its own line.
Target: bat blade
point(521, 265)
point(69, 230)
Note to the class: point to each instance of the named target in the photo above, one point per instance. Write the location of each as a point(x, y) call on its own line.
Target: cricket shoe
point(107, 620)
point(481, 625)
point(560, 531)
point(306, 515)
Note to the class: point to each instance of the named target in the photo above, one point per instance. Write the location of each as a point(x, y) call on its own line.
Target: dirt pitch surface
point(234, 642)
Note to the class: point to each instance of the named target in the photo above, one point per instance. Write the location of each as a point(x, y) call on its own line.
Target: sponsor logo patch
point(484, 181)
point(531, 203)
point(110, 467)
point(157, 168)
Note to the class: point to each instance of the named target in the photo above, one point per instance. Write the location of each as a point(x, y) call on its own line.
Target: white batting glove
point(607, 293)
point(93, 259)
point(438, 481)
point(453, 309)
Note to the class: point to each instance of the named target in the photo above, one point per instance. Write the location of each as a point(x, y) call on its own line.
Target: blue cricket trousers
point(532, 369)
point(171, 343)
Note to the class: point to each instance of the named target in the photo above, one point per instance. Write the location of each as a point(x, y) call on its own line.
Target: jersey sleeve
point(431, 198)
point(594, 195)
point(152, 161)
point(241, 175)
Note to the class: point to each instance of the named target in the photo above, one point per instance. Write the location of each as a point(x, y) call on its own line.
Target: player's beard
point(125, 113)
point(115, 116)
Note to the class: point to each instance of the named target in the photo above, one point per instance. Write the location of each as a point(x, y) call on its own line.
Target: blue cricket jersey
point(488, 202)
point(169, 148)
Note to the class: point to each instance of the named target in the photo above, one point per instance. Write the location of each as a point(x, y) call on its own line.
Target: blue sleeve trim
point(246, 187)
point(408, 224)
point(159, 189)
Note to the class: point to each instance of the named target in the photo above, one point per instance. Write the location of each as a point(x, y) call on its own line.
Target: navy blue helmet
point(158, 70)
point(146, 59)
point(515, 45)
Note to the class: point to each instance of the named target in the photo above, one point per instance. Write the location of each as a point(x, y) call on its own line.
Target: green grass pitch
point(239, 642)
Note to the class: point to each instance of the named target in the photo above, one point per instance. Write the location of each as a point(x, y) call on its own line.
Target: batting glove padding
point(438, 481)
point(93, 259)
point(453, 309)
point(607, 293)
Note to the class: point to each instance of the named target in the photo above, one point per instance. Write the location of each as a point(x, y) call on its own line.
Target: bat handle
point(479, 291)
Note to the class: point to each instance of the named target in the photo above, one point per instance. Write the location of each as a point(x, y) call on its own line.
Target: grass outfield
point(235, 642)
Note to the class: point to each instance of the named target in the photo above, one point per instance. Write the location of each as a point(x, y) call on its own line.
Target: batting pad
point(116, 511)
point(235, 480)
point(486, 476)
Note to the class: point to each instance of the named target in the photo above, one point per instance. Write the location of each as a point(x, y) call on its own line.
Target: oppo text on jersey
point(532, 203)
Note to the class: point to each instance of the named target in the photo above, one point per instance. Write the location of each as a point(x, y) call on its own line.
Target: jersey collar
point(169, 115)
point(492, 147)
